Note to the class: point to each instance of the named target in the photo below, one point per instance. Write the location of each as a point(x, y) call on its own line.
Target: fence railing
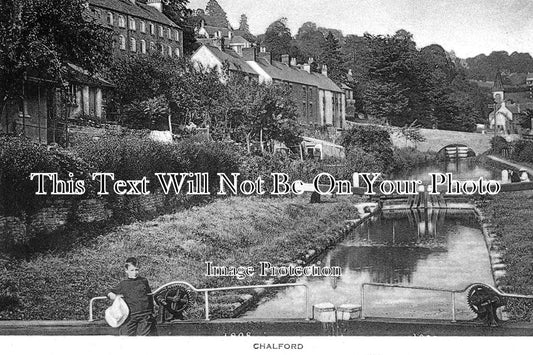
point(206, 292)
point(452, 292)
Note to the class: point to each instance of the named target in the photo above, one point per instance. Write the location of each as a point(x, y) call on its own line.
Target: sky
point(468, 27)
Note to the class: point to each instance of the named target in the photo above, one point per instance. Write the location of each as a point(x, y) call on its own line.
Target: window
point(143, 27)
point(177, 52)
point(122, 41)
point(177, 35)
point(152, 28)
point(162, 48)
point(143, 46)
point(72, 98)
point(133, 26)
point(169, 33)
point(133, 45)
point(121, 21)
point(161, 31)
point(170, 51)
point(152, 46)
point(23, 107)
point(110, 18)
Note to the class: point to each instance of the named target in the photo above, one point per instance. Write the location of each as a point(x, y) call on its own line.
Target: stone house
point(320, 101)
point(42, 110)
point(139, 26)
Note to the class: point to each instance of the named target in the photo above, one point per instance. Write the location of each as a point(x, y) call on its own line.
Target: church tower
point(497, 89)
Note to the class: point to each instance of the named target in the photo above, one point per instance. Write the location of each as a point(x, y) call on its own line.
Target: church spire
point(497, 88)
point(498, 85)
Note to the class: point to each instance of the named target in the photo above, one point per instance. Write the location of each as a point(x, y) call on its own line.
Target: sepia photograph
point(241, 176)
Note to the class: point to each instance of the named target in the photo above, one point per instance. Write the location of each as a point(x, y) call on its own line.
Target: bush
point(370, 139)
point(254, 166)
point(522, 150)
point(498, 143)
point(405, 159)
point(19, 157)
point(132, 157)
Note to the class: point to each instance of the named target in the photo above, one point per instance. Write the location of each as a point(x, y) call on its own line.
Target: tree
point(40, 37)
point(243, 23)
point(310, 41)
point(278, 38)
point(258, 112)
point(215, 14)
point(177, 11)
point(331, 56)
point(371, 140)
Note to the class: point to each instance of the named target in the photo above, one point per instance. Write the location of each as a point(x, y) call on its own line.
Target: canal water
point(437, 249)
point(447, 252)
point(461, 169)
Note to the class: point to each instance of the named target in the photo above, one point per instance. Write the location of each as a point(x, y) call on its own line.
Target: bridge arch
point(456, 150)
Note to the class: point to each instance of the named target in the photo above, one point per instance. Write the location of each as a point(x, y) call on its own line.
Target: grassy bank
point(230, 232)
point(510, 212)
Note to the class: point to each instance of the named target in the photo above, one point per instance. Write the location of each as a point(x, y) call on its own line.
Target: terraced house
point(320, 102)
point(140, 26)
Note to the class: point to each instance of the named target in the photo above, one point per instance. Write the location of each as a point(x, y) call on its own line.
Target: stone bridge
point(438, 139)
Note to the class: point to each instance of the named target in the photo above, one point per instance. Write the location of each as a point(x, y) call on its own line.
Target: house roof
point(138, 9)
point(211, 30)
point(326, 83)
point(236, 63)
point(529, 76)
point(283, 72)
point(238, 40)
point(78, 75)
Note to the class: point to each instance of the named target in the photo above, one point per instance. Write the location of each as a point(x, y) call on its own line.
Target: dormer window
point(133, 26)
point(143, 27)
point(110, 18)
point(121, 21)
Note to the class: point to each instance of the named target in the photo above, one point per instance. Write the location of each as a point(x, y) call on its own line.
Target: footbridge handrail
point(437, 289)
point(215, 289)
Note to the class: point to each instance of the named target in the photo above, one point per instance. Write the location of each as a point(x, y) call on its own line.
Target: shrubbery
point(369, 148)
point(19, 157)
point(498, 144)
point(132, 157)
point(254, 166)
point(522, 151)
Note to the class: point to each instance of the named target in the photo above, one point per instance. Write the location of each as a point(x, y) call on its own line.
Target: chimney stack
point(219, 43)
point(249, 54)
point(324, 70)
point(265, 55)
point(285, 58)
point(293, 62)
point(158, 4)
point(307, 67)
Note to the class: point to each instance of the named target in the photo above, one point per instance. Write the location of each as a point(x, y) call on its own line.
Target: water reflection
point(446, 250)
point(462, 169)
